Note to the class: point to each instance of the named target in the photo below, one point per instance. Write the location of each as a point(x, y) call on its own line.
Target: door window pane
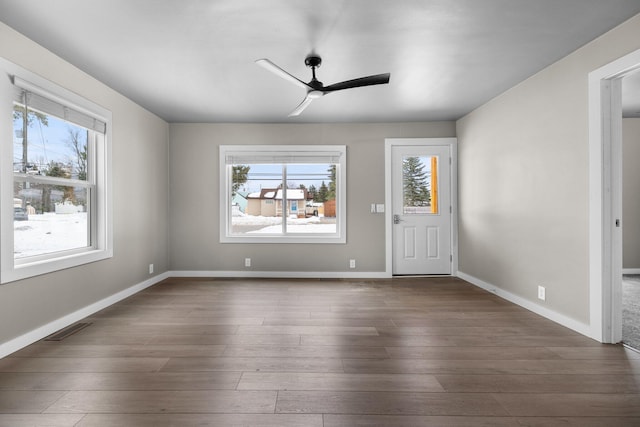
point(420, 185)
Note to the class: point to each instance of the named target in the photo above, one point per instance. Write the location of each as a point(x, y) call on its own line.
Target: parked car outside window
point(19, 214)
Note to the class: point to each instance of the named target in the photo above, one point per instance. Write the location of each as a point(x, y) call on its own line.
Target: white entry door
point(421, 209)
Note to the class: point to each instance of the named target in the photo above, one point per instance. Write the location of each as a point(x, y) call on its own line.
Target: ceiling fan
point(315, 89)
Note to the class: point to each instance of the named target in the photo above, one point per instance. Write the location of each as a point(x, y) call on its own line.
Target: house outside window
point(55, 192)
point(294, 194)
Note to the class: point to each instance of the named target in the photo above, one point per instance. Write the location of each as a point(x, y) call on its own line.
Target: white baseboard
point(284, 274)
point(44, 331)
point(631, 271)
point(563, 320)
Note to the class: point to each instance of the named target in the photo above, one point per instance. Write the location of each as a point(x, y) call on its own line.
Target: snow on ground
point(300, 228)
point(273, 224)
point(256, 220)
point(49, 232)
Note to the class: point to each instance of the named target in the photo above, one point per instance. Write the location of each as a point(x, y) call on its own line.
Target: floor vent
point(68, 331)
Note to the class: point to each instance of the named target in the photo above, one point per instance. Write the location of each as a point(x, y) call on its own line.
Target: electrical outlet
point(542, 293)
point(247, 262)
point(352, 263)
point(150, 268)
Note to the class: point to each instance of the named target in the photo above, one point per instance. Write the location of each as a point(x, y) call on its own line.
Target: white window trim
point(340, 237)
point(101, 220)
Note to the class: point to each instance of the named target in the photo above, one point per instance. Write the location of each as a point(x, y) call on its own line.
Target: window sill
point(27, 269)
point(284, 239)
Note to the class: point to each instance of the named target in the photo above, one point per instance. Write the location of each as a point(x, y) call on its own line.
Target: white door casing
point(421, 237)
point(605, 195)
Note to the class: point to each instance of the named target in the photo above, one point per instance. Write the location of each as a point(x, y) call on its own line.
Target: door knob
point(396, 219)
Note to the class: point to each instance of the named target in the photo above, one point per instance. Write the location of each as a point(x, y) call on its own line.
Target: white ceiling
point(193, 61)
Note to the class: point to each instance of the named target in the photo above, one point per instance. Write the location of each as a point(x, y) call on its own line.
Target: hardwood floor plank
point(541, 383)
point(452, 341)
point(205, 320)
point(331, 420)
point(27, 402)
point(434, 306)
point(289, 321)
point(483, 367)
point(603, 351)
point(276, 339)
point(570, 405)
point(257, 311)
point(121, 381)
point(459, 323)
point(474, 331)
point(308, 330)
point(331, 352)
point(388, 403)
point(201, 420)
point(82, 364)
point(107, 339)
point(22, 381)
point(413, 314)
point(91, 350)
point(137, 402)
point(471, 353)
point(37, 420)
point(169, 329)
point(578, 422)
point(338, 382)
point(265, 364)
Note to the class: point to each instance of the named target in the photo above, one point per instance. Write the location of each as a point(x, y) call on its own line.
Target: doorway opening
point(631, 210)
point(606, 196)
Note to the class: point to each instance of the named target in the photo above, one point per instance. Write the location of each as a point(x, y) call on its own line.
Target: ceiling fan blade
point(268, 65)
point(378, 79)
point(300, 108)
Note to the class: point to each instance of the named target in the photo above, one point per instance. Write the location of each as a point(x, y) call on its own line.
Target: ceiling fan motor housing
point(313, 61)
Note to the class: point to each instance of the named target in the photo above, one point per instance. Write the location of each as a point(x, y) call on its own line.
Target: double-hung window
point(283, 194)
point(54, 177)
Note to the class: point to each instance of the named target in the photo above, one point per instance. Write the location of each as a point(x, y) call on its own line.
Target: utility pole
point(25, 126)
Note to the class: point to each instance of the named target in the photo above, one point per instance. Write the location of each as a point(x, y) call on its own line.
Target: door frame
point(452, 143)
point(605, 197)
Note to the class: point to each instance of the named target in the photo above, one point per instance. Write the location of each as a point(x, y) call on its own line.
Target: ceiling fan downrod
point(313, 62)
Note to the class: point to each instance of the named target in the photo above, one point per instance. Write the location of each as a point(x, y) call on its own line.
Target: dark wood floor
point(401, 353)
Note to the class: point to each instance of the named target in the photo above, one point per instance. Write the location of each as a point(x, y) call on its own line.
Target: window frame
point(340, 237)
point(99, 186)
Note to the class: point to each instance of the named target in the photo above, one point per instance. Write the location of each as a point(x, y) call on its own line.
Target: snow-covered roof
point(292, 194)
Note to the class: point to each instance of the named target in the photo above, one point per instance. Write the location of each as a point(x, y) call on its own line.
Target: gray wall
point(140, 206)
point(523, 181)
point(631, 193)
point(194, 195)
